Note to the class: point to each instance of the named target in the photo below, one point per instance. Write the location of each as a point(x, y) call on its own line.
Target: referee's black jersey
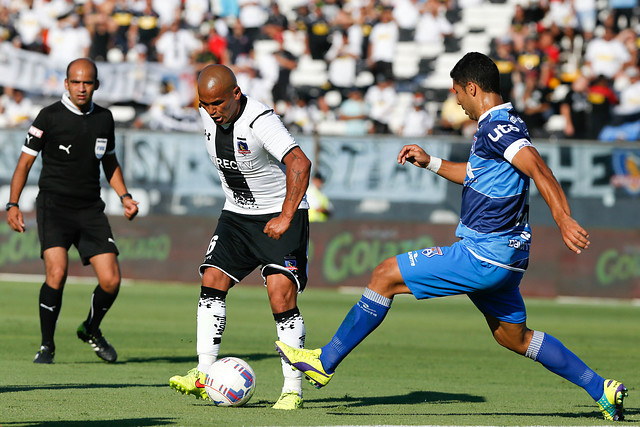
point(72, 145)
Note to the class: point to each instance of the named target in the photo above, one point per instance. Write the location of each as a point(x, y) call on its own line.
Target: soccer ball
point(230, 382)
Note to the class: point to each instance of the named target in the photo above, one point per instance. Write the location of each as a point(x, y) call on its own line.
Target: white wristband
point(434, 164)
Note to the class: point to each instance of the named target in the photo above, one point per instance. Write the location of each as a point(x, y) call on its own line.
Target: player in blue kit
point(489, 260)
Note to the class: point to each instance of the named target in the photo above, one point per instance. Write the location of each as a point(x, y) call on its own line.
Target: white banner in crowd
point(38, 74)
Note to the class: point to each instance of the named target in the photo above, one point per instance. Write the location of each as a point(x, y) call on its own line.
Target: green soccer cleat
point(306, 361)
point(612, 399)
point(100, 345)
point(192, 383)
point(289, 400)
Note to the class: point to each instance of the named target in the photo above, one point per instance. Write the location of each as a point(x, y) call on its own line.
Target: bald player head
point(219, 93)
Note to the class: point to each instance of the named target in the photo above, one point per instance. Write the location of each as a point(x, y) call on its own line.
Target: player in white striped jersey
point(264, 222)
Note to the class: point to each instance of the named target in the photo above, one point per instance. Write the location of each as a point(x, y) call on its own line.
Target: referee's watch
point(125, 195)
point(10, 205)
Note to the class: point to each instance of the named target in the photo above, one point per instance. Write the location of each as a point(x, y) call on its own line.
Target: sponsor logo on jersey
point(626, 169)
point(35, 132)
point(101, 147)
point(243, 147)
point(431, 252)
point(291, 264)
point(500, 130)
point(65, 149)
point(413, 255)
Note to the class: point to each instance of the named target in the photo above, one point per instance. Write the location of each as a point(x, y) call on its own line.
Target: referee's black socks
point(101, 302)
point(50, 302)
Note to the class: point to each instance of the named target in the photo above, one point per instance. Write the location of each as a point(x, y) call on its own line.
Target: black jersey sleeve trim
point(287, 153)
point(259, 115)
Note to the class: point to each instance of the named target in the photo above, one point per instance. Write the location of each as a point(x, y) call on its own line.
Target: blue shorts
point(453, 270)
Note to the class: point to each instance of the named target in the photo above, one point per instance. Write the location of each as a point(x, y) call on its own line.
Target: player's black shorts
point(63, 222)
point(239, 246)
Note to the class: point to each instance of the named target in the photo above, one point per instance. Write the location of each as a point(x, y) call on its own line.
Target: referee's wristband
point(434, 164)
point(125, 195)
point(11, 205)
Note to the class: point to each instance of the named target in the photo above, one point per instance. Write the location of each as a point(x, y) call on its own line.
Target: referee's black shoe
point(101, 346)
point(44, 355)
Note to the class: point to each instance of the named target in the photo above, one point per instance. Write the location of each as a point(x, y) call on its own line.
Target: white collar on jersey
point(66, 101)
point(505, 106)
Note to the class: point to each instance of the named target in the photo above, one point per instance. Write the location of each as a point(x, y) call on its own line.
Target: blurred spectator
point(606, 55)
point(534, 104)
point(122, 17)
point(576, 110)
point(102, 36)
point(417, 121)
point(628, 110)
point(167, 113)
point(383, 41)
point(406, 13)
point(381, 99)
point(7, 27)
point(320, 207)
point(239, 44)
point(194, 12)
point(168, 11)
point(602, 99)
point(318, 31)
point(432, 26)
point(276, 23)
point(287, 62)
point(587, 16)
point(17, 109)
point(342, 58)
point(453, 118)
point(29, 27)
point(216, 45)
point(506, 63)
point(623, 13)
point(297, 118)
point(146, 29)
point(176, 46)
point(252, 17)
point(355, 112)
point(68, 40)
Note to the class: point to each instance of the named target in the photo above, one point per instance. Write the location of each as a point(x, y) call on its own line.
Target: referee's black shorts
point(64, 222)
point(239, 245)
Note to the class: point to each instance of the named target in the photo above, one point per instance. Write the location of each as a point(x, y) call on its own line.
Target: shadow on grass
point(413, 398)
point(113, 422)
point(18, 388)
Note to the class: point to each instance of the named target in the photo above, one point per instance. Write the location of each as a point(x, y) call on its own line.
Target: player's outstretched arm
point(298, 171)
point(453, 171)
point(116, 180)
point(528, 160)
point(18, 181)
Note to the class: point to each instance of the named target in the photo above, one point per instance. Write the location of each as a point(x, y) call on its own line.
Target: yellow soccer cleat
point(612, 399)
point(192, 383)
point(306, 361)
point(289, 400)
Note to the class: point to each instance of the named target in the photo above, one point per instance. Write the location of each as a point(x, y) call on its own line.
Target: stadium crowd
point(570, 67)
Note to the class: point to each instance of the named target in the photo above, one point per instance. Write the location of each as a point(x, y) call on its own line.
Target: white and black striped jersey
point(248, 154)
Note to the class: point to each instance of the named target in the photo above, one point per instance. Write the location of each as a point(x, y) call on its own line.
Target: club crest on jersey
point(430, 252)
point(101, 147)
point(626, 168)
point(243, 147)
point(291, 264)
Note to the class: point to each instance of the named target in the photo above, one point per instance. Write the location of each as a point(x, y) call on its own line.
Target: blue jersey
point(494, 218)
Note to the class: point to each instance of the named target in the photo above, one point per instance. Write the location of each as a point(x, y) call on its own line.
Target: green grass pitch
point(429, 363)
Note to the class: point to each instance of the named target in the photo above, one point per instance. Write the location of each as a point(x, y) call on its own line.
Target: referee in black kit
point(75, 136)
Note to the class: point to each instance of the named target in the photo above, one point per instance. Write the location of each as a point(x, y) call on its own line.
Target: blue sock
point(554, 356)
point(361, 320)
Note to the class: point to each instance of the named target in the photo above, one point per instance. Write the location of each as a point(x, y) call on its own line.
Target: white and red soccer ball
point(230, 382)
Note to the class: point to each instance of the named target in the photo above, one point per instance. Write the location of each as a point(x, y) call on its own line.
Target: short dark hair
point(477, 68)
point(95, 67)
